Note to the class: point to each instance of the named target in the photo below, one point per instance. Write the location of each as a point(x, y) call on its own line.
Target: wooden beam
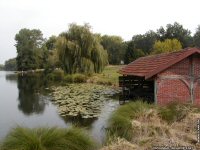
point(155, 91)
point(192, 78)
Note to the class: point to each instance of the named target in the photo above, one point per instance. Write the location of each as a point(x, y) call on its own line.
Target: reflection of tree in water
point(11, 78)
point(79, 121)
point(30, 101)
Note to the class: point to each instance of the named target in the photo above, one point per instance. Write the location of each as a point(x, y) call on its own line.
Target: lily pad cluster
point(85, 100)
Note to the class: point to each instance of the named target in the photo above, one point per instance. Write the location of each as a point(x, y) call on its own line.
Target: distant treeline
point(1, 67)
point(79, 50)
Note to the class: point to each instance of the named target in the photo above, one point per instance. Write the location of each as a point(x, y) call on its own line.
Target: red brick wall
point(169, 90)
point(197, 93)
point(196, 66)
point(173, 84)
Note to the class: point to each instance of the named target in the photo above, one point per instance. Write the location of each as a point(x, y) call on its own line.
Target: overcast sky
point(114, 17)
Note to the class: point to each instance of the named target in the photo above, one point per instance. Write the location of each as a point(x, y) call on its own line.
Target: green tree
point(115, 48)
point(1, 67)
point(133, 54)
point(140, 45)
point(51, 43)
point(168, 45)
point(144, 42)
point(80, 50)
point(196, 37)
point(30, 49)
point(11, 65)
point(176, 31)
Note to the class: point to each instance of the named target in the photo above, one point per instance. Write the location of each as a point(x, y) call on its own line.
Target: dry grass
point(150, 129)
point(120, 144)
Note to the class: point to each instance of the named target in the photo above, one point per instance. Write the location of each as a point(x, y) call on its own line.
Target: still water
point(25, 101)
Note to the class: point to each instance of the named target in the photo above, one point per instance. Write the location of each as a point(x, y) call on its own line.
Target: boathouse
point(163, 78)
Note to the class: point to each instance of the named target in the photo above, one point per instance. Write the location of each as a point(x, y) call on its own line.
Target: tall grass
point(174, 111)
point(120, 122)
point(47, 139)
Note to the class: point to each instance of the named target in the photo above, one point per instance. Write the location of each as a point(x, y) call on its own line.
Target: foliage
point(47, 139)
point(1, 67)
point(115, 48)
point(196, 37)
point(133, 54)
point(79, 78)
point(145, 41)
point(52, 60)
point(139, 46)
point(176, 31)
point(56, 75)
point(51, 43)
point(31, 51)
point(173, 112)
point(80, 51)
point(120, 121)
point(10, 65)
point(168, 45)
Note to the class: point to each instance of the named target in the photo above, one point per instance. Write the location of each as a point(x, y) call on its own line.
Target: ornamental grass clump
point(21, 138)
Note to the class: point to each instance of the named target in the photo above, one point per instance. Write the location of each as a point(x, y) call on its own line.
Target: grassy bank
point(47, 139)
point(108, 77)
point(141, 125)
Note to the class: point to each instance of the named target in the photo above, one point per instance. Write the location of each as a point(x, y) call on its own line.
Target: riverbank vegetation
point(47, 139)
point(138, 124)
point(109, 76)
point(1, 67)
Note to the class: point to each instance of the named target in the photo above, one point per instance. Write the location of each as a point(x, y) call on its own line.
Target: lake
point(25, 101)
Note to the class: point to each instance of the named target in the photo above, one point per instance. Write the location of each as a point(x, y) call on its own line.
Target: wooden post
point(155, 91)
point(192, 79)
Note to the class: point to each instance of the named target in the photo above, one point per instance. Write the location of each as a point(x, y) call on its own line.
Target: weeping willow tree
point(80, 50)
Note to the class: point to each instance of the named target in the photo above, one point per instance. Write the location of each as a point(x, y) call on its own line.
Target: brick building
point(163, 78)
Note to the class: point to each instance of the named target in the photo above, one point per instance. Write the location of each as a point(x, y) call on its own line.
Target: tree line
point(79, 50)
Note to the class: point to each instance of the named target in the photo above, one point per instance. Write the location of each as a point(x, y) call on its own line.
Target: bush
point(174, 112)
point(68, 78)
point(47, 139)
point(79, 78)
point(56, 75)
point(120, 121)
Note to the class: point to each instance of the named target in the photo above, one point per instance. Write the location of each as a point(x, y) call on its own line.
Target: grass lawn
point(109, 75)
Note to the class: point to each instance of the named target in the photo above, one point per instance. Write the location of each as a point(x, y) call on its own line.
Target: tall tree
point(176, 31)
point(115, 48)
point(133, 54)
point(168, 45)
point(144, 42)
point(11, 65)
point(30, 49)
point(196, 37)
point(80, 50)
point(1, 67)
point(51, 43)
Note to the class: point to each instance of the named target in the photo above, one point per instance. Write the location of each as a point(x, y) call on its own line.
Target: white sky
point(112, 17)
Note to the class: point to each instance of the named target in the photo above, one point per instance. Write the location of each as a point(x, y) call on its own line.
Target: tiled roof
point(151, 65)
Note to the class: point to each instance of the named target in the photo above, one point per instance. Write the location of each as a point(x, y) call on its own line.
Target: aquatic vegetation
point(47, 139)
point(83, 100)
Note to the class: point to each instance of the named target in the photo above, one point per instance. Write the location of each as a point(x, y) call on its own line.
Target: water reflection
point(79, 121)
point(11, 78)
point(30, 99)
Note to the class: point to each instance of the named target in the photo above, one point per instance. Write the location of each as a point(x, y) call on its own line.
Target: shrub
point(120, 121)
point(56, 75)
point(68, 78)
point(47, 139)
point(79, 78)
point(173, 112)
